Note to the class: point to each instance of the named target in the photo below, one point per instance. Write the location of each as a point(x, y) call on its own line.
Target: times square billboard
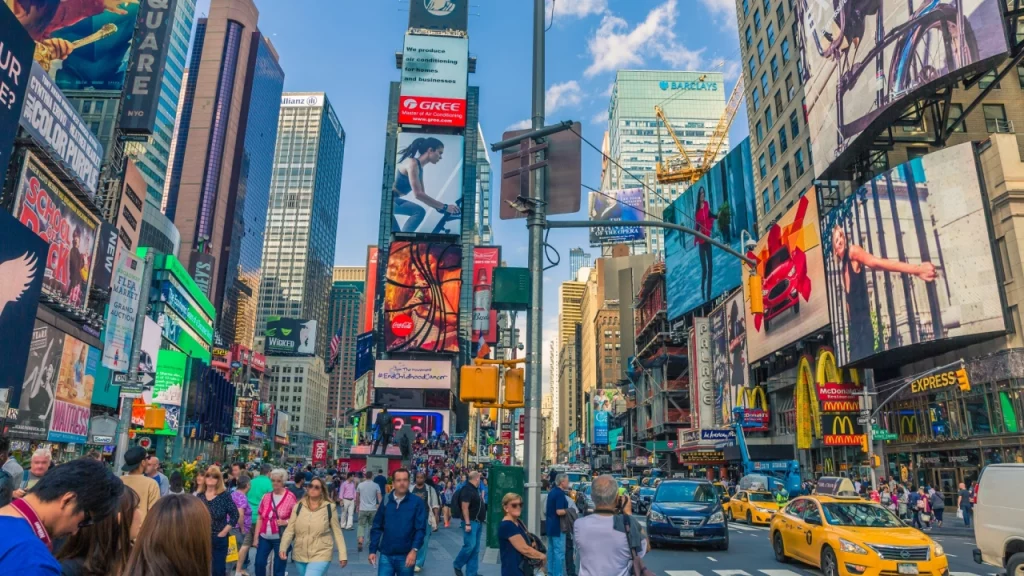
point(435, 72)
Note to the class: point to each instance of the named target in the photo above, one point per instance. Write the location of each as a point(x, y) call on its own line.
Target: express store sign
point(435, 71)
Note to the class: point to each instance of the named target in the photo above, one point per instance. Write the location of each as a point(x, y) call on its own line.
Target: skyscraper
point(298, 247)
point(482, 215)
point(221, 163)
point(577, 259)
point(343, 320)
point(693, 102)
point(100, 109)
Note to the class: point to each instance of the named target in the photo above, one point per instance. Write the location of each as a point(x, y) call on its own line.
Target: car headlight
point(716, 518)
point(850, 547)
point(656, 516)
point(759, 509)
point(939, 550)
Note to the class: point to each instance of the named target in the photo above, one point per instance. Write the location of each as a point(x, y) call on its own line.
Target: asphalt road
point(750, 554)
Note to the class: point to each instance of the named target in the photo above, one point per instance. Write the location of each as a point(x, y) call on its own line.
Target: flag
point(335, 346)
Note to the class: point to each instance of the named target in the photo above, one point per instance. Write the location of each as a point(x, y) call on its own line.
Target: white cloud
point(726, 9)
point(521, 125)
point(731, 70)
point(615, 46)
point(600, 118)
point(576, 8)
point(562, 95)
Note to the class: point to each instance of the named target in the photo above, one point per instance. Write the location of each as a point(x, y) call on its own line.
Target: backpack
point(330, 516)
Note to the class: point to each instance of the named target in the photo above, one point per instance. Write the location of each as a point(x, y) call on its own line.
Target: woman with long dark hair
point(703, 220)
point(223, 515)
point(103, 548)
point(409, 179)
point(174, 540)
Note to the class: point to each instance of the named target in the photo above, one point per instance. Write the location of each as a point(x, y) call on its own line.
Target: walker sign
point(435, 70)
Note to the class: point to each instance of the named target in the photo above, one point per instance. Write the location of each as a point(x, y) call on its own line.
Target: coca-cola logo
point(401, 326)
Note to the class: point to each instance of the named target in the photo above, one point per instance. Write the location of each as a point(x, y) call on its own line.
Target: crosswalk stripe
point(732, 573)
point(683, 573)
point(779, 573)
point(747, 527)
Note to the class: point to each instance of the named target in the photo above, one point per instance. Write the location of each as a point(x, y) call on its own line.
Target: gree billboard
point(864, 61)
point(909, 260)
point(435, 70)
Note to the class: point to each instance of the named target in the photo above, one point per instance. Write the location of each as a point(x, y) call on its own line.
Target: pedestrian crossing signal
point(514, 393)
point(478, 384)
point(756, 295)
point(962, 380)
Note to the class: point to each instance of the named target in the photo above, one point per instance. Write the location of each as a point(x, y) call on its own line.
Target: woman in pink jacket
point(272, 518)
point(704, 219)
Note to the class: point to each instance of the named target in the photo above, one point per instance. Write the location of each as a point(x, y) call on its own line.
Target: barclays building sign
point(709, 86)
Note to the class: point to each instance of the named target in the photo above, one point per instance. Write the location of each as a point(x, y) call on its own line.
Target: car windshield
point(761, 497)
point(685, 492)
point(645, 491)
point(860, 515)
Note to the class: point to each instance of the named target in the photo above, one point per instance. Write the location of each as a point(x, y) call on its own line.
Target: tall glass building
point(100, 109)
point(242, 283)
point(692, 101)
point(343, 320)
point(305, 191)
point(482, 214)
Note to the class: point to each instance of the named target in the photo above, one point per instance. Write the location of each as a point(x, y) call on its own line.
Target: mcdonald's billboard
point(908, 425)
point(841, 430)
point(840, 406)
point(751, 409)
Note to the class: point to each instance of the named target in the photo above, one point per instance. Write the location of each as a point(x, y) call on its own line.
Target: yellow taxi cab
point(844, 535)
point(752, 506)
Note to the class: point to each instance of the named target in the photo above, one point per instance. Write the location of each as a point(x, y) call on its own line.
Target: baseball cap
point(133, 457)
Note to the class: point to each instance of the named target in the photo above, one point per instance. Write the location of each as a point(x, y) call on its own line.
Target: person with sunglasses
point(274, 512)
point(223, 516)
point(315, 529)
point(513, 538)
point(69, 497)
point(135, 478)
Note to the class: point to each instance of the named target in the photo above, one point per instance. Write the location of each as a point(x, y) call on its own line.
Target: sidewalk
point(444, 546)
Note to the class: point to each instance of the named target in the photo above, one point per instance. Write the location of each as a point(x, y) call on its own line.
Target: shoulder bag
point(528, 566)
point(639, 568)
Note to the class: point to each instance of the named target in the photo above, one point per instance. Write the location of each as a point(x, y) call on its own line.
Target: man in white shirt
point(601, 543)
point(368, 497)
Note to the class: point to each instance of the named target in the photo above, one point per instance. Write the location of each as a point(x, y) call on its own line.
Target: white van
point(999, 518)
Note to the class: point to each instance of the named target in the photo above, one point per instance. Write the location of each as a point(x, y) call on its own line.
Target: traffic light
point(876, 460)
point(478, 384)
point(514, 393)
point(756, 295)
point(961, 378)
point(864, 443)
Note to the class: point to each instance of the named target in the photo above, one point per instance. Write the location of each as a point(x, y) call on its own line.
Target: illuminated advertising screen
point(22, 267)
point(789, 262)
point(909, 260)
point(370, 303)
point(421, 374)
point(421, 297)
point(485, 320)
point(426, 422)
point(435, 70)
point(719, 205)
point(427, 192)
point(57, 217)
point(37, 394)
point(439, 14)
point(618, 206)
point(75, 381)
point(18, 47)
point(728, 356)
point(290, 336)
point(865, 59)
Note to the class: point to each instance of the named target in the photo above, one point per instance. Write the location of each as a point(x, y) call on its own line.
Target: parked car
point(999, 518)
point(687, 512)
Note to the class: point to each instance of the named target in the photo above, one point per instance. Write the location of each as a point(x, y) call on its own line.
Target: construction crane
point(681, 168)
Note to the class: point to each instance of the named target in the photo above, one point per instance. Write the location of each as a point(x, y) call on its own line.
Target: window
point(762, 169)
point(775, 68)
point(759, 128)
point(751, 66)
point(746, 7)
point(768, 121)
point(787, 178)
point(987, 80)
point(1004, 259)
point(798, 160)
point(794, 125)
point(756, 99)
point(749, 36)
point(776, 192)
point(1020, 75)
point(955, 112)
point(780, 13)
point(764, 83)
point(760, 51)
point(785, 50)
point(783, 142)
point(764, 200)
point(778, 100)
point(772, 157)
point(916, 152)
point(757, 20)
point(995, 118)
point(768, 6)
point(771, 34)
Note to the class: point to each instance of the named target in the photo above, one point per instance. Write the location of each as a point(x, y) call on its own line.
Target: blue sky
point(346, 48)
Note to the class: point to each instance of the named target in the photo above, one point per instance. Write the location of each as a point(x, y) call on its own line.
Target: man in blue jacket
point(398, 529)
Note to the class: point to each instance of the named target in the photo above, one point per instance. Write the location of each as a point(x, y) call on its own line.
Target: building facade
point(298, 248)
point(577, 259)
point(482, 215)
point(570, 302)
point(692, 102)
point(298, 386)
point(568, 393)
point(343, 322)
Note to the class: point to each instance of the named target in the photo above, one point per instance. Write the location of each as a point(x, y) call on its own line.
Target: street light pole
point(535, 225)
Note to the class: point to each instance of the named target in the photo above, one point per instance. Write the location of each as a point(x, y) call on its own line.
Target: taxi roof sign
point(835, 486)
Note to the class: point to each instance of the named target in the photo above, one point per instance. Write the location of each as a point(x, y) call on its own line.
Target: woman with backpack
point(315, 530)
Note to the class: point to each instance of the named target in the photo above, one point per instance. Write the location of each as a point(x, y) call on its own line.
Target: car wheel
point(1015, 566)
point(750, 519)
point(779, 548)
point(724, 545)
point(829, 564)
